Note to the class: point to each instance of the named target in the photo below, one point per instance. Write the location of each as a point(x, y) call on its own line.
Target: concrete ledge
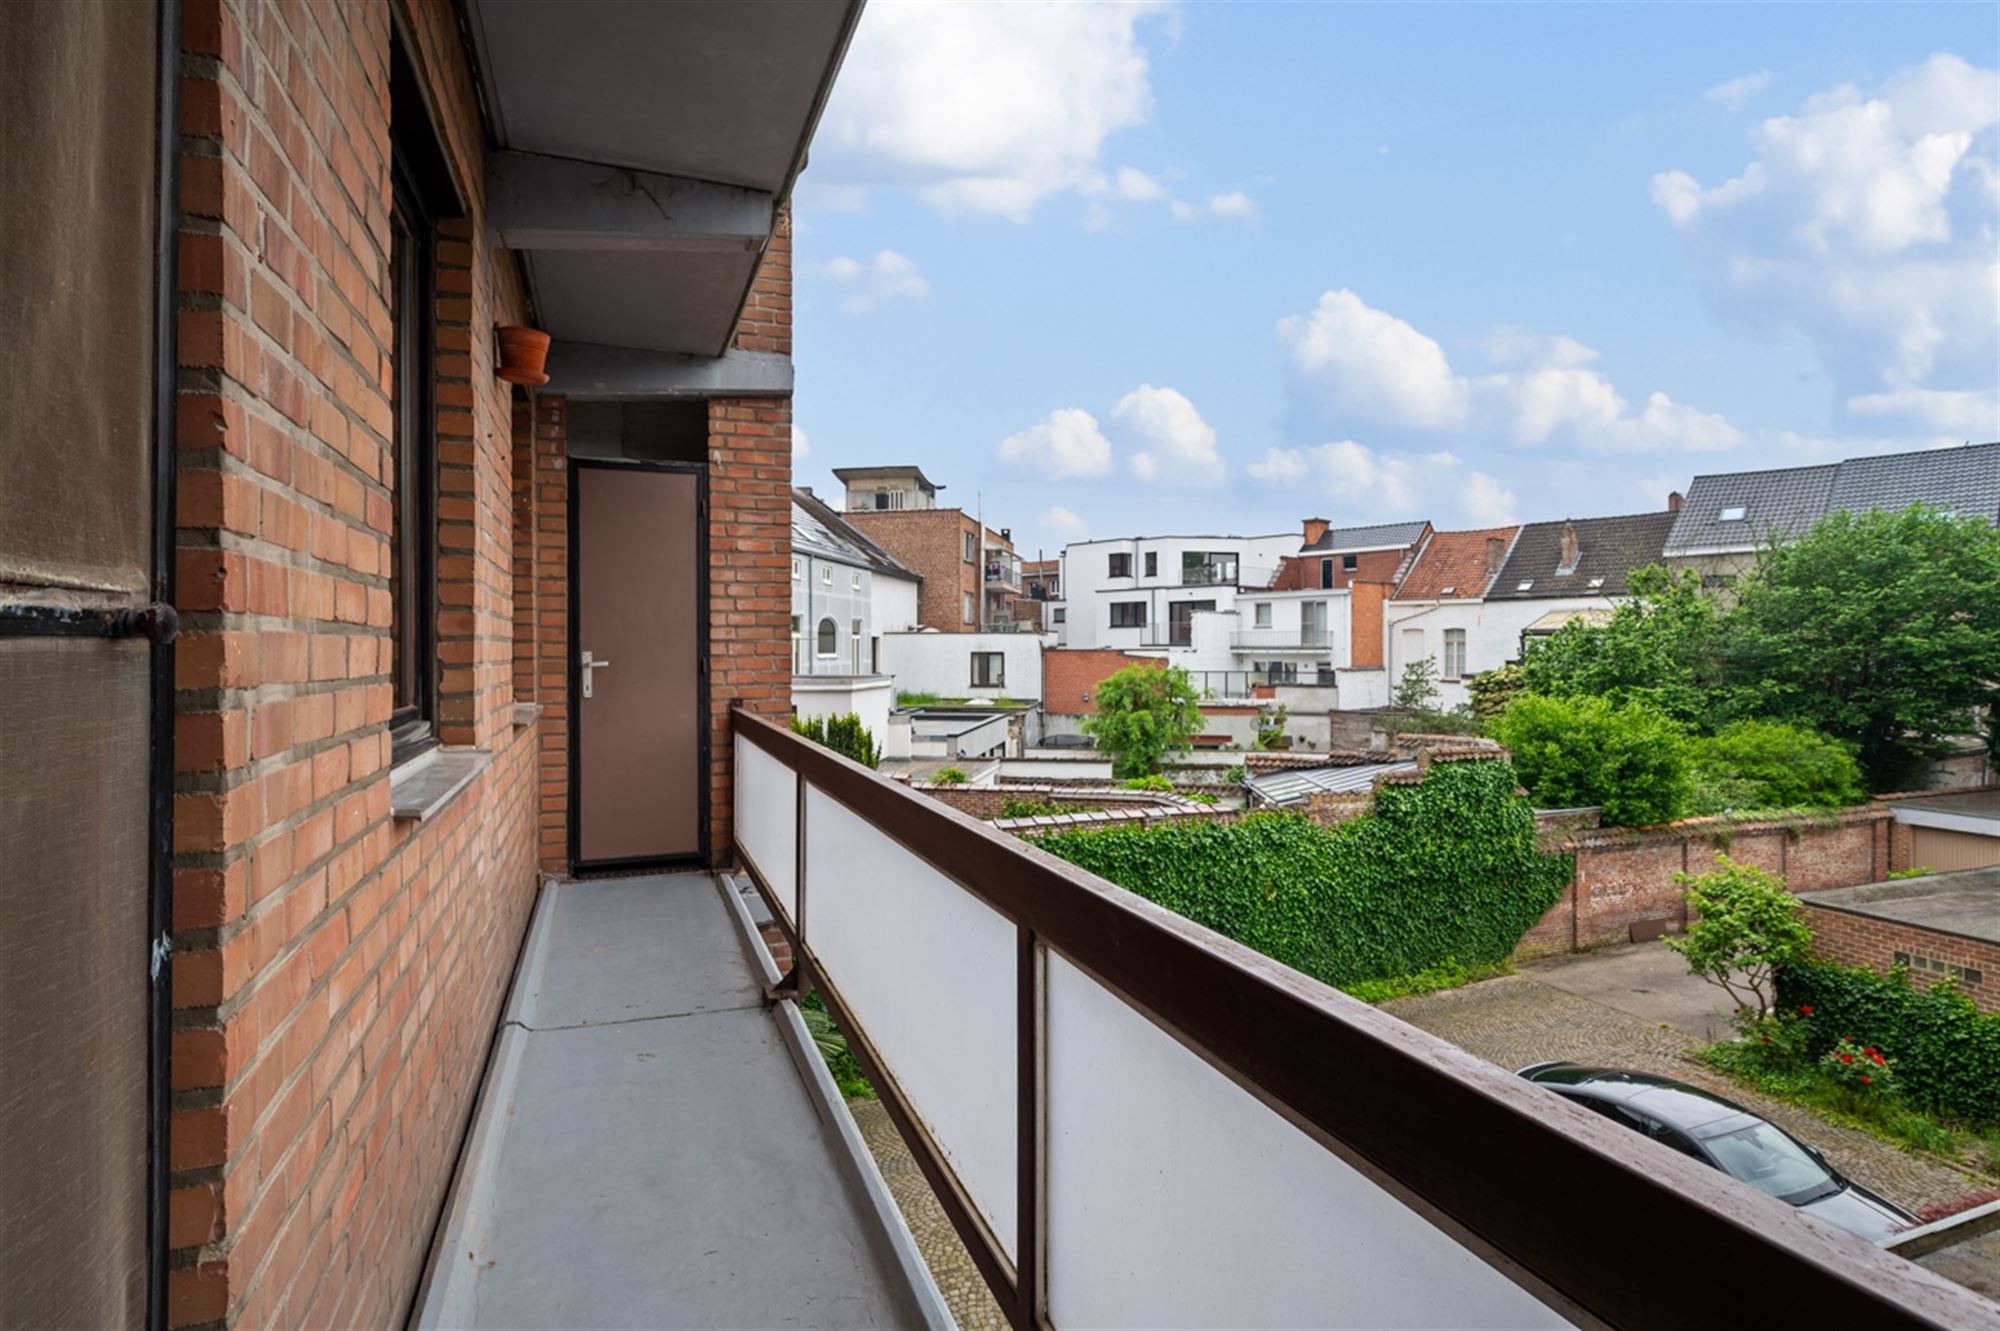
point(424, 785)
point(526, 714)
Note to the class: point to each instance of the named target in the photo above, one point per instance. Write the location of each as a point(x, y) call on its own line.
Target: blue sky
point(1178, 268)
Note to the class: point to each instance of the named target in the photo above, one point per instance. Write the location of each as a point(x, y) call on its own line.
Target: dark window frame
point(1119, 565)
point(421, 197)
point(1350, 563)
point(1129, 619)
point(1152, 563)
point(996, 677)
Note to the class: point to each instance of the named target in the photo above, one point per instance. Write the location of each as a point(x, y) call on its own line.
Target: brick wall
point(1071, 673)
point(932, 542)
point(1302, 572)
point(336, 974)
point(550, 643)
point(1364, 612)
point(1854, 939)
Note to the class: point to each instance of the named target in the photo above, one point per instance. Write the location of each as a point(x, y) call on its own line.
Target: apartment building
point(971, 573)
point(846, 593)
point(1145, 591)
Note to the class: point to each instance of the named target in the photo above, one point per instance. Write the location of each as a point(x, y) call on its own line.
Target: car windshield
point(1769, 1161)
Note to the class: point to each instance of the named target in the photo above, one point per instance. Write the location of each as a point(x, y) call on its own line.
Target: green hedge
point(1947, 1055)
point(1442, 871)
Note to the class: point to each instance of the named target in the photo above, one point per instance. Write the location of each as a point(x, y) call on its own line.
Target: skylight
point(1446, 591)
point(1597, 582)
point(1525, 584)
point(1732, 514)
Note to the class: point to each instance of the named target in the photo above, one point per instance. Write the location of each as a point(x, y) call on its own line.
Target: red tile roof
point(1455, 565)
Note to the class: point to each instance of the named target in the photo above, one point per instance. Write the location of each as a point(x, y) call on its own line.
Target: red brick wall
point(1364, 611)
point(1302, 572)
point(550, 643)
point(1863, 940)
point(932, 542)
point(1068, 673)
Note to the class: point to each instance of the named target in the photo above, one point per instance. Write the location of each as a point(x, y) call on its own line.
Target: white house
point(971, 666)
point(1143, 592)
point(846, 592)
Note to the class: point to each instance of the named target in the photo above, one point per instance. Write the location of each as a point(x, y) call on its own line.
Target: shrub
point(1236, 775)
point(1859, 1069)
point(1013, 808)
point(1778, 766)
point(1153, 781)
point(1573, 752)
point(1492, 690)
point(1743, 926)
point(1443, 871)
point(949, 776)
point(843, 734)
point(1143, 714)
point(1947, 1054)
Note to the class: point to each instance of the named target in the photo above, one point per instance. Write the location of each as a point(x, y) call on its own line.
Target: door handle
point(588, 669)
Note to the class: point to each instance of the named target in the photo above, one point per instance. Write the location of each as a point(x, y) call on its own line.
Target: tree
point(1661, 648)
point(1879, 629)
point(1576, 752)
point(843, 734)
point(1742, 926)
point(1417, 691)
point(1492, 690)
point(1144, 713)
point(1778, 766)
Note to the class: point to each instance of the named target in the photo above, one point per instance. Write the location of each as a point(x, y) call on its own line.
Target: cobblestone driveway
point(1517, 1020)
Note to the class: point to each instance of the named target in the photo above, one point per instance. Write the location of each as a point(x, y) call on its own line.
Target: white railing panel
point(1177, 1199)
point(767, 821)
point(927, 970)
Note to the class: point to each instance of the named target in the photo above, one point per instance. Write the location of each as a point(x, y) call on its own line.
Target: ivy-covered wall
point(1445, 869)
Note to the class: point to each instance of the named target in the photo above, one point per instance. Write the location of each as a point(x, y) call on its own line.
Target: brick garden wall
point(1069, 673)
point(1854, 939)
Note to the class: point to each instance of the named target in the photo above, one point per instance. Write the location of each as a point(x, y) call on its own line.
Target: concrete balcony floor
point(653, 1145)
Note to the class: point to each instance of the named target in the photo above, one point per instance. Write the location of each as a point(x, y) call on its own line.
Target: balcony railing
point(1133, 1121)
point(1239, 683)
point(1001, 573)
point(1281, 640)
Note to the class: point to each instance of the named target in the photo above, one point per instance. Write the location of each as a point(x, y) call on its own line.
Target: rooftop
point(1964, 480)
point(820, 530)
point(1966, 903)
point(1294, 785)
point(1455, 565)
point(1608, 549)
point(905, 472)
point(1381, 536)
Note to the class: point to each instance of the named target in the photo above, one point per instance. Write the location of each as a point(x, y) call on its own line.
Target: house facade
point(1438, 612)
point(971, 573)
point(846, 593)
point(1144, 592)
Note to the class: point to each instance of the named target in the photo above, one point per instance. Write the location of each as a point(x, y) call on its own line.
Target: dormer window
point(1735, 513)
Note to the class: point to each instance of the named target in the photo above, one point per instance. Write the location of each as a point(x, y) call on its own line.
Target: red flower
point(1870, 1051)
point(1878, 1060)
point(1847, 1058)
point(1864, 1079)
point(1767, 1039)
point(1806, 1011)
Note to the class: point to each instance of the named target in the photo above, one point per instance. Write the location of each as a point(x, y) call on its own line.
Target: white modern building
point(846, 593)
point(1143, 592)
point(965, 666)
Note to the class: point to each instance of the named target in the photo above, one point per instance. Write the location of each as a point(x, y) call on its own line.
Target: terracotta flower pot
point(522, 354)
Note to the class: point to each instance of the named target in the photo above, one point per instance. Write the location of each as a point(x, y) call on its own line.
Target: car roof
point(1674, 1103)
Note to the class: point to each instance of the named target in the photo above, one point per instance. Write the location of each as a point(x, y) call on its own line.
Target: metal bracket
point(792, 985)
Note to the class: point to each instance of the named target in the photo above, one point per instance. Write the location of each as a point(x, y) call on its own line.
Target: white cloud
point(1485, 501)
point(1063, 522)
point(801, 446)
point(1235, 205)
point(1066, 443)
point(1390, 484)
point(1134, 184)
point(884, 277)
point(1972, 414)
point(1366, 363)
point(1176, 443)
point(1738, 90)
point(1868, 224)
point(984, 108)
point(1373, 364)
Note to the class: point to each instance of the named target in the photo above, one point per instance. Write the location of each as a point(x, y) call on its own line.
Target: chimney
point(1007, 535)
point(1570, 551)
point(1495, 548)
point(1674, 501)
point(1315, 528)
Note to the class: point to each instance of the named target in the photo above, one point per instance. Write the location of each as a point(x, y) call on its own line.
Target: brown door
point(638, 782)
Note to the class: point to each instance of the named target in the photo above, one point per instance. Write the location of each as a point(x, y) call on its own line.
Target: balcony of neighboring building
point(1003, 570)
point(1127, 1119)
point(1308, 640)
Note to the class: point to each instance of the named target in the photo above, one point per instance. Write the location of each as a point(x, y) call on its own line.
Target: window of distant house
point(1326, 573)
point(1128, 614)
point(854, 644)
point(798, 624)
point(1061, 617)
point(855, 581)
point(1203, 568)
point(1596, 582)
point(1733, 514)
point(1350, 562)
point(968, 607)
point(419, 201)
point(989, 670)
point(1263, 612)
point(971, 548)
point(795, 570)
point(1454, 654)
point(1120, 567)
point(881, 499)
point(829, 638)
point(1524, 584)
point(826, 575)
point(1152, 564)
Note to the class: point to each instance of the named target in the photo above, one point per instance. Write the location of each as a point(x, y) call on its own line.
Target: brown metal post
point(1028, 1100)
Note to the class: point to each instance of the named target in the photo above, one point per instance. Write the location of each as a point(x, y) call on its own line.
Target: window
point(1121, 566)
point(829, 638)
point(1061, 616)
point(1326, 573)
point(1128, 614)
point(989, 670)
point(1596, 583)
point(417, 204)
point(968, 607)
point(1454, 654)
point(1207, 567)
point(1350, 562)
point(795, 568)
point(855, 579)
point(1263, 612)
point(1152, 564)
point(854, 645)
point(971, 548)
point(881, 499)
point(1524, 584)
point(1716, 581)
point(826, 575)
point(1734, 513)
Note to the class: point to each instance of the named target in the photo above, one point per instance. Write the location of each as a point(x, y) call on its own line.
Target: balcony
point(1281, 640)
point(1003, 575)
point(1129, 1120)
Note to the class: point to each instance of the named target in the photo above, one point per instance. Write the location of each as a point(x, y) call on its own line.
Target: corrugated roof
point(1454, 565)
point(1381, 536)
point(1608, 549)
point(1965, 480)
point(818, 530)
point(1741, 510)
point(1292, 785)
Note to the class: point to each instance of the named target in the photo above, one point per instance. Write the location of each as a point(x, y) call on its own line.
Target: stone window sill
point(423, 786)
point(526, 714)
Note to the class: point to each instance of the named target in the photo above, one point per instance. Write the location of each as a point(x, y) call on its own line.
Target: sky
point(1118, 270)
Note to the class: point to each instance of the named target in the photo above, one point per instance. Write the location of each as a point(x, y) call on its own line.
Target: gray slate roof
point(1291, 785)
point(1784, 503)
point(1608, 549)
point(1380, 536)
point(818, 530)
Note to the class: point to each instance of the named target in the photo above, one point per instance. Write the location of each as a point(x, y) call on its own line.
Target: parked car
point(1730, 1138)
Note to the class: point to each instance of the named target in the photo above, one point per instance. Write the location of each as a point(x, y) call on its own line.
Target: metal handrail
point(1282, 639)
point(1545, 1192)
